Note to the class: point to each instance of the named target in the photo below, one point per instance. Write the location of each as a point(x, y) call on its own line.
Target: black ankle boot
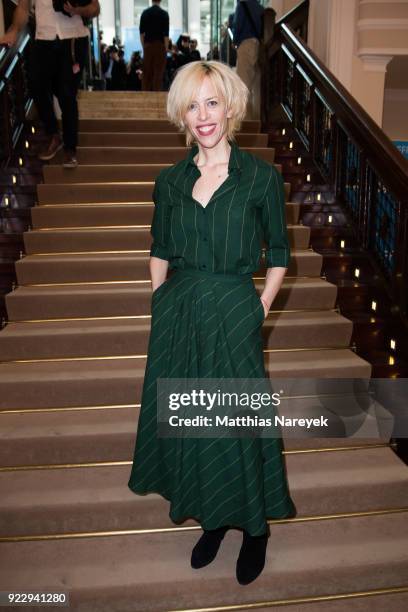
point(207, 547)
point(251, 559)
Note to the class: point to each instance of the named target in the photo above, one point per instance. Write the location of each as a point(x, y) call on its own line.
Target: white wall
point(107, 20)
point(194, 20)
point(318, 27)
point(333, 36)
point(283, 6)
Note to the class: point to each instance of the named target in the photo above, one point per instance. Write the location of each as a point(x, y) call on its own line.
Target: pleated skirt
point(208, 325)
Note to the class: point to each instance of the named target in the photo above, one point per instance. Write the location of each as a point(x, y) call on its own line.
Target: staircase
point(73, 358)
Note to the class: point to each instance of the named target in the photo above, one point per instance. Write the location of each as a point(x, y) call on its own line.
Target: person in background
point(119, 75)
point(104, 57)
point(134, 72)
point(183, 45)
point(113, 57)
point(247, 31)
point(58, 57)
point(194, 52)
point(228, 51)
point(171, 64)
point(154, 36)
point(214, 53)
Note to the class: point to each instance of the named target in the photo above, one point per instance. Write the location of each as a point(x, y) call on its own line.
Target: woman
point(212, 211)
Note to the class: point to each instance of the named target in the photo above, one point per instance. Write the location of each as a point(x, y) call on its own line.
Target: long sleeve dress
point(206, 322)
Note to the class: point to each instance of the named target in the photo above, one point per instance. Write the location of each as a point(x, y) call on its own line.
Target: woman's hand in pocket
point(266, 306)
point(158, 272)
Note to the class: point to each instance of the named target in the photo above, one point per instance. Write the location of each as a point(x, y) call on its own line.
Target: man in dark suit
point(154, 36)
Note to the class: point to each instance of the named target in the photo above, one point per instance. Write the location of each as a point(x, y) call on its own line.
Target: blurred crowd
point(121, 75)
point(240, 46)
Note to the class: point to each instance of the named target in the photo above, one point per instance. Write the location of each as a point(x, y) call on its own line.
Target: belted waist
point(214, 276)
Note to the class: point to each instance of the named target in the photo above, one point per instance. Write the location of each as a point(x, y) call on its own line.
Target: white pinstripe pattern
point(228, 222)
point(213, 331)
point(243, 216)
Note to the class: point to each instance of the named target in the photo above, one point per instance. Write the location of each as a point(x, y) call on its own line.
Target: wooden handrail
point(354, 156)
point(14, 99)
point(7, 54)
point(380, 150)
point(296, 17)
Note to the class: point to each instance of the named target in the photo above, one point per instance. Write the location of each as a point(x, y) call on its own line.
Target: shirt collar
point(234, 160)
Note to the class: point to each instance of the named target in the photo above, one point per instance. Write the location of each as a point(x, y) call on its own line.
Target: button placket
point(204, 241)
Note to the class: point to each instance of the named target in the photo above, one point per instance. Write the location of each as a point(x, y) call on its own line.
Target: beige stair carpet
point(73, 359)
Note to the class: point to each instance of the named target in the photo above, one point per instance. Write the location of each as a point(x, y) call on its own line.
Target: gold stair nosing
point(116, 282)
point(117, 463)
point(298, 600)
point(80, 319)
point(122, 532)
point(109, 204)
point(98, 183)
point(86, 227)
point(84, 204)
point(144, 356)
point(56, 253)
point(70, 408)
point(112, 282)
point(125, 251)
point(137, 165)
point(48, 320)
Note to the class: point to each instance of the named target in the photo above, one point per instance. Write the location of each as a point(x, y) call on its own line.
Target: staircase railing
point(15, 99)
point(366, 171)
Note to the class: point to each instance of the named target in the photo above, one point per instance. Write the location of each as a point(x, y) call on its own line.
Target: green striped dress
point(206, 322)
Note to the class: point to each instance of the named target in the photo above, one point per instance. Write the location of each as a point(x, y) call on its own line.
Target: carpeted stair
point(72, 364)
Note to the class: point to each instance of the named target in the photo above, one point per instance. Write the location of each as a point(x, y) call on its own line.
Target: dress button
point(205, 239)
point(203, 267)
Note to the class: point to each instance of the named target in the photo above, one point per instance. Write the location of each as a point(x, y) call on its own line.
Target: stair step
point(130, 337)
point(111, 102)
point(96, 434)
point(59, 268)
point(120, 102)
point(147, 155)
point(142, 571)
point(147, 125)
point(80, 403)
point(100, 96)
point(359, 602)
point(136, 100)
point(37, 302)
point(96, 215)
point(98, 499)
point(101, 192)
point(117, 239)
point(144, 108)
point(152, 139)
point(129, 112)
point(53, 384)
point(106, 173)
point(110, 214)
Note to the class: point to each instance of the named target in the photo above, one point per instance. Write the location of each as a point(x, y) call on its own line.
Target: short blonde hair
point(227, 83)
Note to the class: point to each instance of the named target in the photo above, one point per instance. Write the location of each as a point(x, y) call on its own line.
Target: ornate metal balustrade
point(366, 171)
point(15, 100)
